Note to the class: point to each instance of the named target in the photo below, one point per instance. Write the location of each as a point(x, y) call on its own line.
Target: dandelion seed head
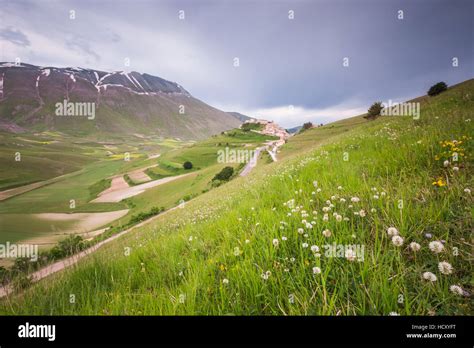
point(414, 246)
point(397, 241)
point(429, 276)
point(445, 267)
point(327, 233)
point(436, 246)
point(392, 231)
point(456, 289)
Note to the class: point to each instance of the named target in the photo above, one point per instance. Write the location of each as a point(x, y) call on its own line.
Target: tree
point(307, 125)
point(187, 165)
point(437, 89)
point(374, 111)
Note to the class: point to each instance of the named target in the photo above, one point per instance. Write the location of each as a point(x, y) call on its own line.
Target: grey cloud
point(14, 36)
point(82, 45)
point(282, 62)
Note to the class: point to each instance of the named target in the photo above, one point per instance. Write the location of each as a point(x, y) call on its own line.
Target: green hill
point(251, 246)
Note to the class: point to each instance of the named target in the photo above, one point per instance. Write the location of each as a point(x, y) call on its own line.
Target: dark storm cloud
point(282, 61)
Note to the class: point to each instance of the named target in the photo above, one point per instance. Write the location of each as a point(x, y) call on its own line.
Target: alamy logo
point(236, 156)
point(37, 331)
point(348, 251)
point(401, 109)
point(67, 108)
point(29, 251)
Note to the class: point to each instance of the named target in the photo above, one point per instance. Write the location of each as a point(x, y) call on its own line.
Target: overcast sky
point(291, 70)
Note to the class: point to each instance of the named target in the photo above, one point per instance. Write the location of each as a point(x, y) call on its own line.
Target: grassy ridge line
point(180, 266)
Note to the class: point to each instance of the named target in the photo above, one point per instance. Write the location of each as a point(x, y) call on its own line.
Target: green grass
point(104, 160)
point(98, 187)
point(178, 262)
point(37, 227)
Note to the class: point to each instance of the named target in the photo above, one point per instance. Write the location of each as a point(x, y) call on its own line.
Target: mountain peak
point(125, 102)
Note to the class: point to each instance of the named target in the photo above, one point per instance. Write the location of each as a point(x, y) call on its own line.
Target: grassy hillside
point(250, 247)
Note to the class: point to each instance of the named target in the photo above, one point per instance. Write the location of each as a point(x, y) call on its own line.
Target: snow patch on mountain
point(1, 86)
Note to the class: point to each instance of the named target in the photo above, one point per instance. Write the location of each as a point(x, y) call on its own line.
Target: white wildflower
point(436, 246)
point(392, 231)
point(429, 276)
point(456, 289)
point(397, 241)
point(445, 267)
point(327, 233)
point(266, 275)
point(414, 246)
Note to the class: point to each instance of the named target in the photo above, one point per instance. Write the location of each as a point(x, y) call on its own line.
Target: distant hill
point(124, 103)
point(294, 129)
point(240, 116)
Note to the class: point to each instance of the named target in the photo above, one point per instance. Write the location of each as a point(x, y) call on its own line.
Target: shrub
point(247, 127)
point(187, 165)
point(225, 174)
point(437, 89)
point(21, 282)
point(306, 126)
point(374, 111)
point(145, 215)
point(66, 247)
point(4, 275)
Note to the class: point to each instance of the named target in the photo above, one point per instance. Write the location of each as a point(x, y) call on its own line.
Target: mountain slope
point(244, 249)
point(125, 103)
point(240, 117)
